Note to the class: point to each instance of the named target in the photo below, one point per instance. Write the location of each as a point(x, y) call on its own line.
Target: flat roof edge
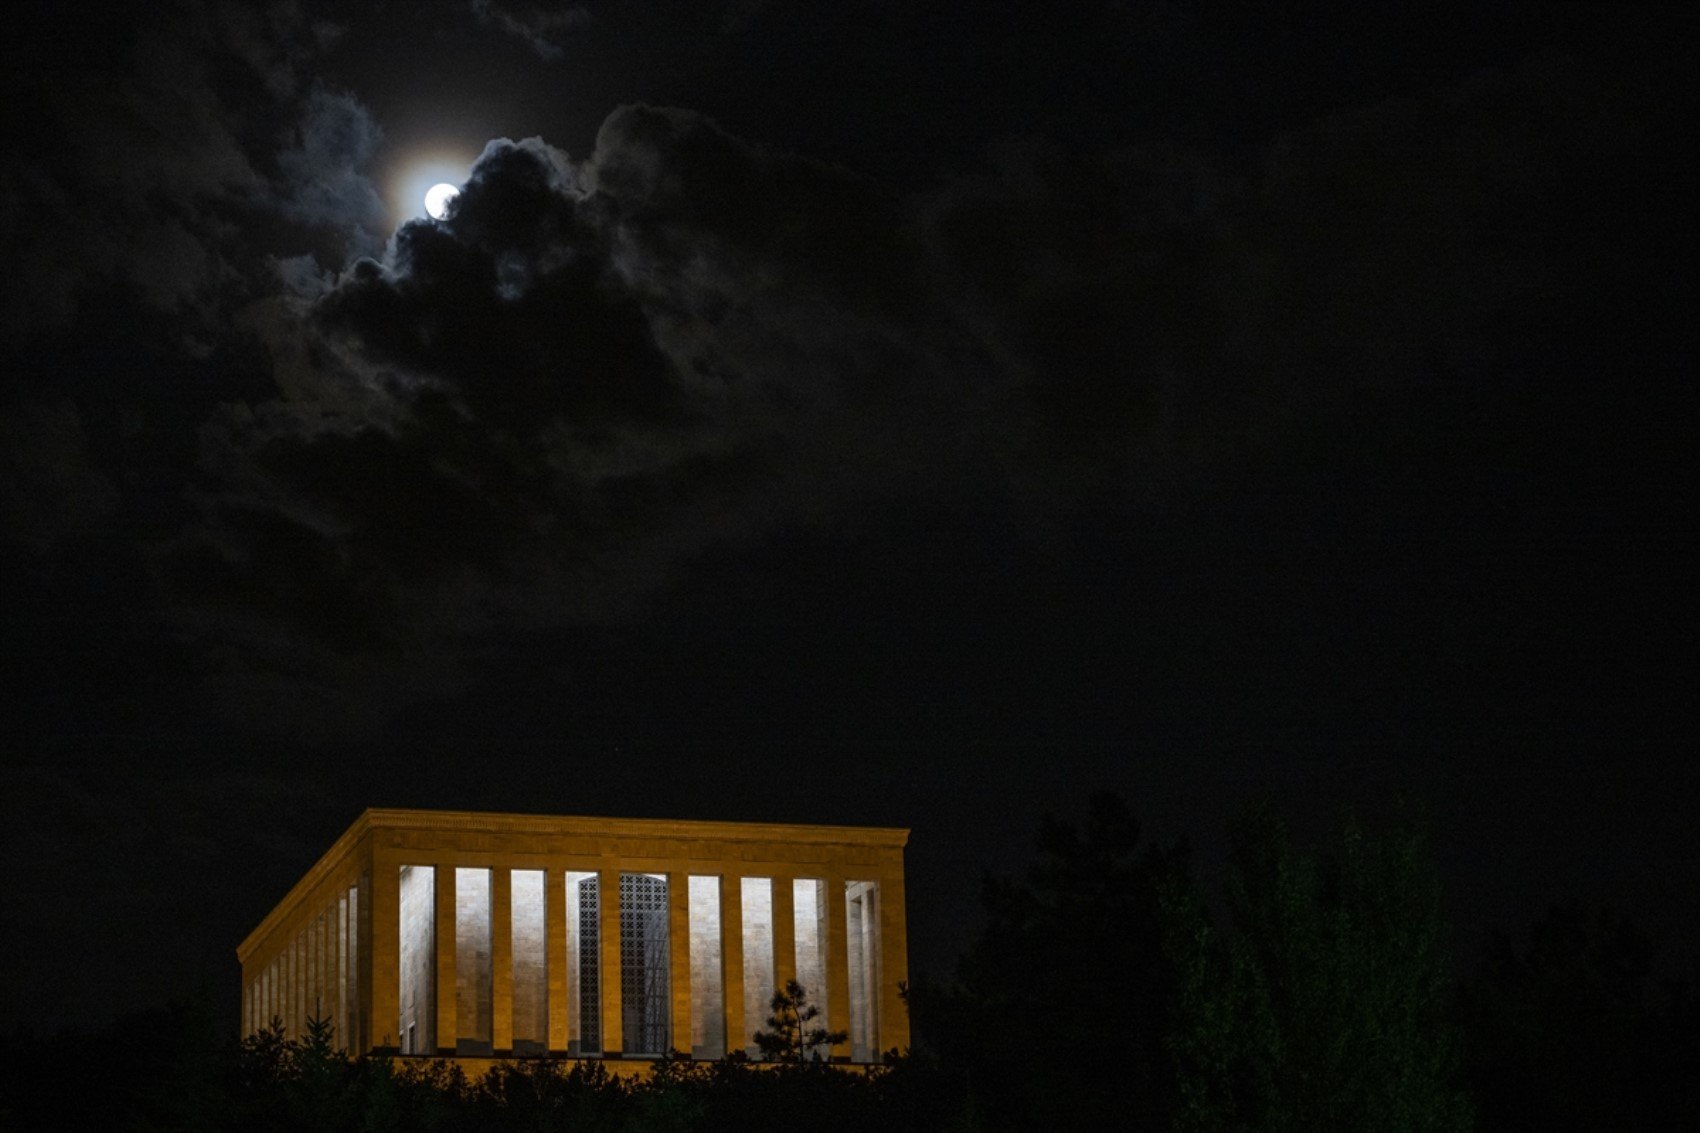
point(505, 822)
point(316, 874)
point(390, 818)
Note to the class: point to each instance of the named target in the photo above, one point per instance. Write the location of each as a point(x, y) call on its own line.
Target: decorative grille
point(589, 966)
point(643, 963)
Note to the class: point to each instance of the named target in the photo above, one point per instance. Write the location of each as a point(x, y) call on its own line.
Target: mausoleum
point(448, 933)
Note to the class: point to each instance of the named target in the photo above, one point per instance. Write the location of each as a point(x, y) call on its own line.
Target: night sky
point(897, 413)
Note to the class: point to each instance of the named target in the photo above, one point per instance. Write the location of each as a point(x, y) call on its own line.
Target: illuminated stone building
point(451, 933)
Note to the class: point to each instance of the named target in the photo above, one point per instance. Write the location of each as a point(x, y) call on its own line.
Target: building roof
point(550, 825)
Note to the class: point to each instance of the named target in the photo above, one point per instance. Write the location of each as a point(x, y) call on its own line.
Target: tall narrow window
point(758, 956)
point(418, 960)
point(644, 984)
point(584, 964)
point(474, 1015)
point(708, 987)
point(808, 911)
point(862, 925)
point(530, 976)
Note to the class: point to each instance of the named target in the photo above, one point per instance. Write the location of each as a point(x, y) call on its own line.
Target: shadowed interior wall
point(584, 950)
point(758, 956)
point(418, 960)
point(530, 975)
point(708, 987)
point(474, 1013)
point(808, 912)
point(861, 905)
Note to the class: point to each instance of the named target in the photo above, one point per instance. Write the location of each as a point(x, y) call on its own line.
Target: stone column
point(679, 955)
point(321, 965)
point(893, 965)
point(312, 981)
point(286, 991)
point(447, 992)
point(501, 960)
point(732, 958)
point(555, 959)
point(608, 884)
point(299, 984)
point(836, 994)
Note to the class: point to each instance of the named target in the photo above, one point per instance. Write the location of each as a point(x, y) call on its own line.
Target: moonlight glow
point(438, 199)
point(413, 174)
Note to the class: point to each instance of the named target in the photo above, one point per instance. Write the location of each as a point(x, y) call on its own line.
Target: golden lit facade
point(446, 933)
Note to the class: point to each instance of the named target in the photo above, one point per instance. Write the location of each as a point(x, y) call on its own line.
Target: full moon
point(438, 198)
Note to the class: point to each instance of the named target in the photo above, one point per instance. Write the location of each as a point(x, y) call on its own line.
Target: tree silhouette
point(789, 1037)
point(1582, 1027)
point(1060, 1010)
point(1325, 1002)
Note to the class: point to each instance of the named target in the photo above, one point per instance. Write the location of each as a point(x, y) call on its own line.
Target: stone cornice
point(329, 862)
point(543, 825)
point(684, 829)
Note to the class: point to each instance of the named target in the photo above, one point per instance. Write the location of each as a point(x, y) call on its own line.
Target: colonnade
point(441, 933)
point(315, 975)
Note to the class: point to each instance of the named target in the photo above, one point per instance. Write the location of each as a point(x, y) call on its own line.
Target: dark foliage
point(1060, 1015)
point(1578, 1030)
point(789, 1036)
point(190, 1080)
point(1324, 1002)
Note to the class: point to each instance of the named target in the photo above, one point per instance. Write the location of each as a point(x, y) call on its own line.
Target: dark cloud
point(510, 301)
point(538, 411)
point(592, 373)
point(540, 27)
point(324, 170)
point(144, 167)
point(688, 337)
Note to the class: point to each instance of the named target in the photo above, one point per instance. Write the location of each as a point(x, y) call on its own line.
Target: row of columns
point(380, 995)
point(316, 973)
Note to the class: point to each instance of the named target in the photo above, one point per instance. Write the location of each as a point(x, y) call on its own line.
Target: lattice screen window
point(589, 965)
point(644, 990)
